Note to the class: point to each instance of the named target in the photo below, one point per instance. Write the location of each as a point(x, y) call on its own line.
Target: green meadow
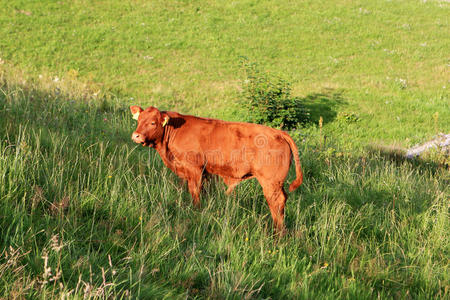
point(86, 213)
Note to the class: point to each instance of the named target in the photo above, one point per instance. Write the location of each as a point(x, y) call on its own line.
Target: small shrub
point(267, 99)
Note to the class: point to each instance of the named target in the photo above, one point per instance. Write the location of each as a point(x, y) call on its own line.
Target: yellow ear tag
point(136, 115)
point(166, 120)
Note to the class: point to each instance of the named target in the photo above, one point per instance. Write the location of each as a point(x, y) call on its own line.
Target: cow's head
point(150, 127)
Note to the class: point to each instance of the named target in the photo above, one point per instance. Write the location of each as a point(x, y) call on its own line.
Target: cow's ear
point(165, 118)
point(135, 110)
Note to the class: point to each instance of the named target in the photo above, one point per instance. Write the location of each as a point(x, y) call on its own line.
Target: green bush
point(268, 100)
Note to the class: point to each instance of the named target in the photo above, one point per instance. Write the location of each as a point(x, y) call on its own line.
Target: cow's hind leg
point(231, 183)
point(276, 198)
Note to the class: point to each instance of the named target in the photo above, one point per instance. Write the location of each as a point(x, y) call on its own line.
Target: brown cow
point(192, 147)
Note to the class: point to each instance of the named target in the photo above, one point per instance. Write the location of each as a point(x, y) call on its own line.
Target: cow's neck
point(162, 146)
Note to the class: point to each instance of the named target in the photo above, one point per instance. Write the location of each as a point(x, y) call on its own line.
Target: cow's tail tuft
point(298, 170)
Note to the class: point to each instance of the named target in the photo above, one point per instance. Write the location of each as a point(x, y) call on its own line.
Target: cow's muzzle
point(140, 139)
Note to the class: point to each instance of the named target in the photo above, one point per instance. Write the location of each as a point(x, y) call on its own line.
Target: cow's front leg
point(195, 185)
point(182, 182)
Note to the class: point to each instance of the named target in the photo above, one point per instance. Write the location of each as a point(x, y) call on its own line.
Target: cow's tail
point(298, 170)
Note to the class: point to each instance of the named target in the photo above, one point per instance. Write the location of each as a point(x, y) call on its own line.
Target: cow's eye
point(153, 123)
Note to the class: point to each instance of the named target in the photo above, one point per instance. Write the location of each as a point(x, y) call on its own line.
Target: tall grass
point(85, 212)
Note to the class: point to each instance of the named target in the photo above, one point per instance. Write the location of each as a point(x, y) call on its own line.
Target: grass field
point(85, 212)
